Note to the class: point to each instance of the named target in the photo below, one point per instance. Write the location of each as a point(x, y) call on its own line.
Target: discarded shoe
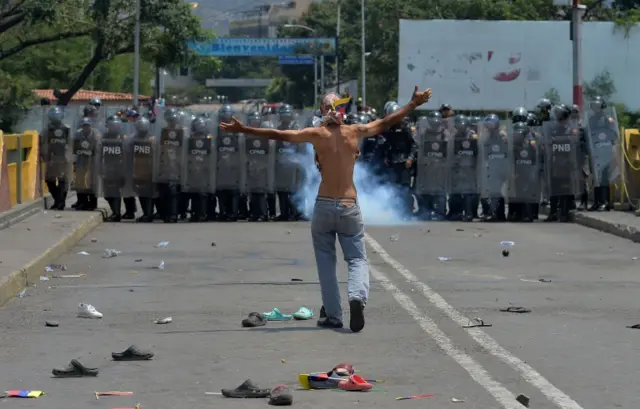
point(281, 396)
point(75, 370)
point(133, 353)
point(88, 311)
point(355, 383)
point(328, 322)
point(255, 319)
point(303, 313)
point(246, 390)
point(320, 380)
point(276, 315)
point(517, 310)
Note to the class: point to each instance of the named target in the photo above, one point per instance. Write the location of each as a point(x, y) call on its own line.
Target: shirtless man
point(336, 211)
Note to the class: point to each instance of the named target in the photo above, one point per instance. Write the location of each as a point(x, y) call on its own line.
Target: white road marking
point(554, 394)
point(474, 369)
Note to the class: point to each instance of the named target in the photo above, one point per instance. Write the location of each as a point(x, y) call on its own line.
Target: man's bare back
point(336, 145)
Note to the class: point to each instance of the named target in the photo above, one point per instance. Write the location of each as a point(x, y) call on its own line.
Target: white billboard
point(500, 65)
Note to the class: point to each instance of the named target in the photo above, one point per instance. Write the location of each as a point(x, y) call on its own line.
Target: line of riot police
point(456, 166)
point(180, 160)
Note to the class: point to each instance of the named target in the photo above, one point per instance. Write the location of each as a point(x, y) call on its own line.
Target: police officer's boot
point(597, 199)
point(439, 211)
point(195, 208)
point(271, 205)
point(243, 211)
point(553, 209)
point(115, 203)
point(170, 205)
point(456, 206)
point(283, 201)
point(584, 199)
point(234, 203)
point(158, 204)
point(469, 211)
point(212, 204)
point(486, 207)
point(146, 205)
point(92, 202)
point(605, 199)
point(129, 208)
point(62, 196)
point(564, 204)
point(527, 213)
point(475, 200)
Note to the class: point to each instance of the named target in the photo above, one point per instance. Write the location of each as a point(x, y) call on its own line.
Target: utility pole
point(363, 63)
point(577, 11)
point(337, 47)
point(136, 57)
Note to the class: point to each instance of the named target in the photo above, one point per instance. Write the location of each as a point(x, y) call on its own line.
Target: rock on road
point(572, 351)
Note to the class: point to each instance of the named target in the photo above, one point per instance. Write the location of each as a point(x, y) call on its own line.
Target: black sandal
point(517, 310)
point(281, 396)
point(133, 353)
point(477, 322)
point(75, 370)
point(255, 319)
point(246, 390)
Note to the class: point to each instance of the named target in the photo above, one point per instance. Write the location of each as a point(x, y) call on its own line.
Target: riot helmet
point(285, 110)
point(142, 126)
point(461, 123)
point(519, 115)
point(352, 119)
point(254, 119)
point(491, 122)
point(85, 125)
point(89, 111)
point(225, 113)
point(520, 129)
point(113, 125)
point(199, 126)
point(204, 115)
point(446, 110)
point(474, 121)
point(95, 102)
point(560, 112)
point(575, 112)
point(598, 104)
point(532, 119)
point(373, 112)
point(363, 119)
point(171, 116)
point(55, 116)
point(390, 107)
point(434, 121)
point(317, 113)
point(543, 109)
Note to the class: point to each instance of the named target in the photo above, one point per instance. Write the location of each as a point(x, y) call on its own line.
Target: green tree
point(553, 96)
point(15, 100)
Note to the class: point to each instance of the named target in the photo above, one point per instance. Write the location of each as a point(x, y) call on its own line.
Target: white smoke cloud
point(381, 204)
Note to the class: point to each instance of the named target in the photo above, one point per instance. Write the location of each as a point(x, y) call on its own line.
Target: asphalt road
point(572, 351)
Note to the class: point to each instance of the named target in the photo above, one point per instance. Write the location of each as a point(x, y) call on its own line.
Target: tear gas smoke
point(380, 203)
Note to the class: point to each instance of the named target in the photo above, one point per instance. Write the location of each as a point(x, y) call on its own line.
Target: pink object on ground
point(355, 383)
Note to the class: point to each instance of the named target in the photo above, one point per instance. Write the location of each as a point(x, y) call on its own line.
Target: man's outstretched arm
point(380, 125)
point(294, 136)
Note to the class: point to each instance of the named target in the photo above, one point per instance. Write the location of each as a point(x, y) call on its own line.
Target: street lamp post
point(315, 61)
point(337, 45)
point(363, 62)
point(136, 57)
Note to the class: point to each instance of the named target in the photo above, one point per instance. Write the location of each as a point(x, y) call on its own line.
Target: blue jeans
point(332, 217)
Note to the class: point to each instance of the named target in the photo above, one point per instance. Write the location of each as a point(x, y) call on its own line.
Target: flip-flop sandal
point(634, 326)
point(75, 370)
point(517, 310)
point(255, 319)
point(477, 322)
point(281, 396)
point(355, 383)
point(303, 313)
point(276, 315)
point(133, 353)
point(246, 390)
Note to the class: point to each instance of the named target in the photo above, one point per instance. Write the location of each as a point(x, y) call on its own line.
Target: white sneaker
point(88, 311)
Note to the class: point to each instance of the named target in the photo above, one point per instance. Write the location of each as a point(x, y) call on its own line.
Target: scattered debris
point(477, 235)
point(82, 275)
point(422, 396)
point(246, 390)
point(138, 260)
point(53, 267)
point(523, 399)
point(281, 396)
point(560, 254)
point(133, 353)
point(110, 253)
point(288, 231)
point(544, 280)
point(454, 400)
point(444, 258)
point(459, 229)
point(44, 278)
point(394, 238)
point(88, 311)
point(634, 258)
point(517, 310)
point(213, 244)
point(83, 253)
point(165, 320)
point(254, 319)
point(162, 244)
point(297, 279)
point(283, 361)
point(93, 240)
point(635, 326)
point(113, 393)
point(476, 322)
point(74, 370)
point(58, 216)
point(507, 243)
point(161, 265)
point(213, 393)
point(505, 253)
point(22, 293)
point(23, 393)
point(52, 323)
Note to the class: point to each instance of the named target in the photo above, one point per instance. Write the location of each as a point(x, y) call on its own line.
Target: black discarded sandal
point(517, 310)
point(246, 390)
point(476, 322)
point(281, 396)
point(133, 353)
point(75, 370)
point(634, 326)
point(255, 319)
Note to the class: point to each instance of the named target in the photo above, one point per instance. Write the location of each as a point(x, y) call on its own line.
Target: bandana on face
point(331, 110)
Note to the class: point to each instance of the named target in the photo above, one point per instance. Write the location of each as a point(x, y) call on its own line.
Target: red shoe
point(355, 383)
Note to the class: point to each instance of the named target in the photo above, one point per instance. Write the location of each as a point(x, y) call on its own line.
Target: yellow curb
point(12, 285)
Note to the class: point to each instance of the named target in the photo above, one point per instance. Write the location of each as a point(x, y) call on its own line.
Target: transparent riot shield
point(524, 167)
point(230, 160)
point(260, 163)
point(200, 166)
point(434, 163)
point(171, 155)
point(86, 150)
point(561, 150)
point(113, 165)
point(463, 151)
point(494, 162)
point(56, 151)
point(603, 135)
point(144, 166)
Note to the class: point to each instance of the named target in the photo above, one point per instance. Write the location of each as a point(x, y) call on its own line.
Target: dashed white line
point(554, 394)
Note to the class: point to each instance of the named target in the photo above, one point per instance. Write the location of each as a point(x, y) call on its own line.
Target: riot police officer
point(534, 125)
point(401, 149)
point(518, 116)
point(433, 167)
point(229, 168)
point(259, 169)
point(170, 165)
point(113, 166)
point(474, 125)
point(56, 153)
point(199, 172)
point(494, 148)
point(288, 175)
point(143, 164)
point(524, 176)
point(87, 199)
point(85, 150)
point(463, 155)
